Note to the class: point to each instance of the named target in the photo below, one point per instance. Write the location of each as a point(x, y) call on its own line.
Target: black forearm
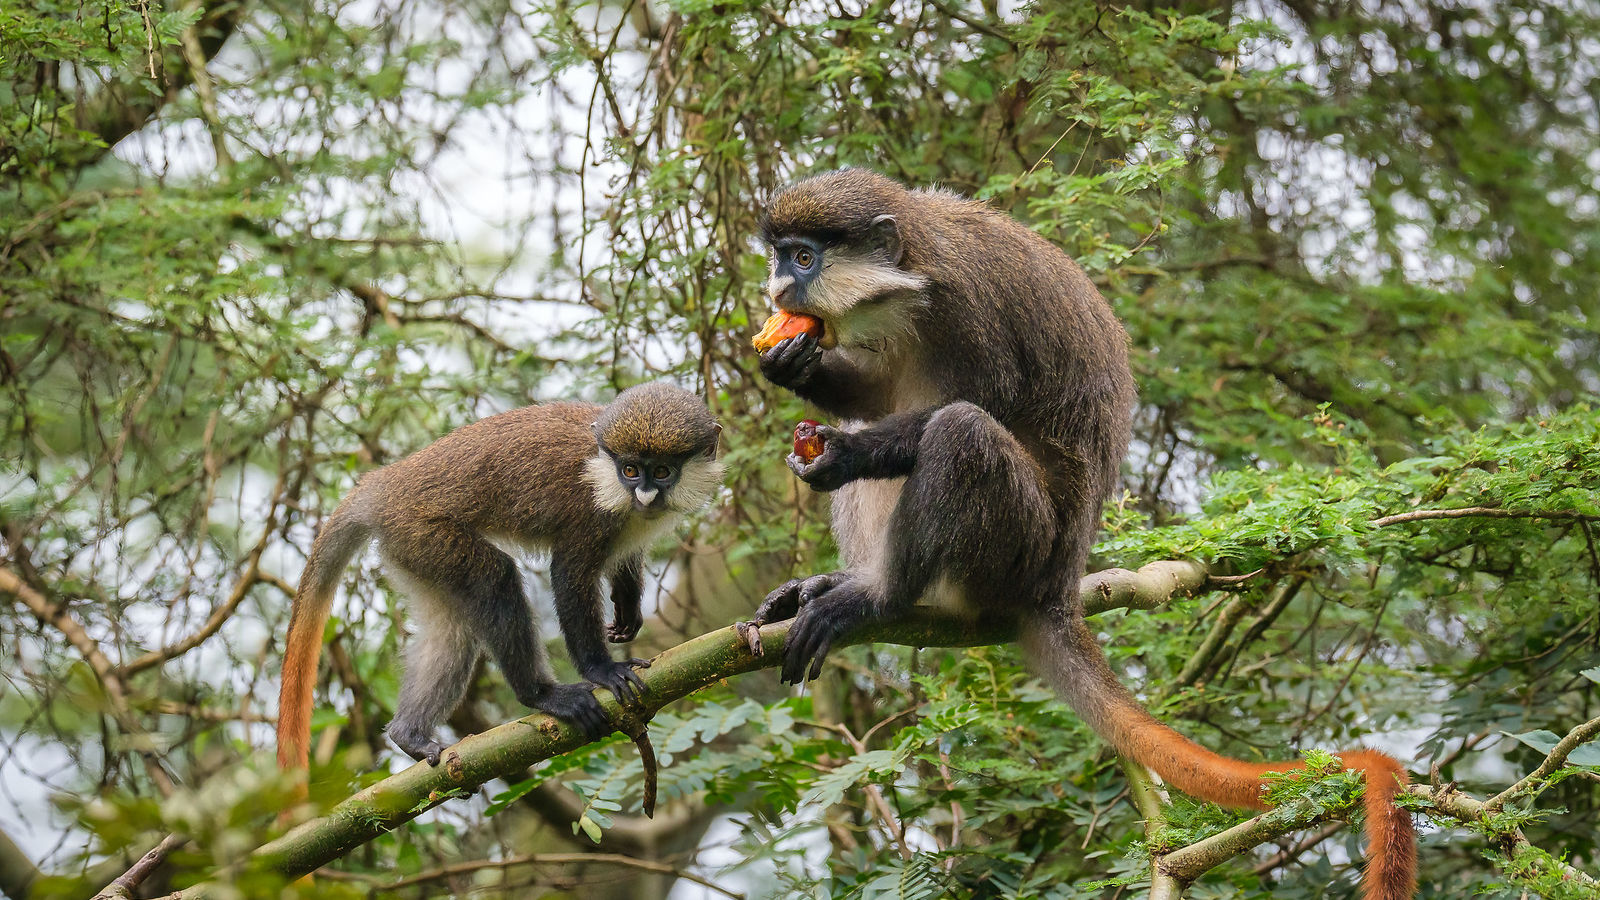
point(577, 603)
point(842, 390)
point(627, 587)
point(888, 447)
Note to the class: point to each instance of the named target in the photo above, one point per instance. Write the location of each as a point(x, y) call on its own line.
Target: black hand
point(793, 362)
point(810, 638)
point(840, 462)
point(626, 626)
point(783, 603)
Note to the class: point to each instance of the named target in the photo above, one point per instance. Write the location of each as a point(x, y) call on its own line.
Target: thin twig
point(123, 886)
point(1552, 761)
point(1486, 512)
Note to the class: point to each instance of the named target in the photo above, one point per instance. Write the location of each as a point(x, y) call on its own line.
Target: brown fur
point(1008, 373)
point(520, 478)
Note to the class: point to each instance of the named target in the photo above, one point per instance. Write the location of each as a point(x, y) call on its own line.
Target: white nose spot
point(777, 284)
point(645, 495)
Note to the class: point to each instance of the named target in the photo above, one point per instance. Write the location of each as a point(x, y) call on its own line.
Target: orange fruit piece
point(783, 325)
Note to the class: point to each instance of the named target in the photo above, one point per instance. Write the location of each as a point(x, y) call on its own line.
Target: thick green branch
point(507, 751)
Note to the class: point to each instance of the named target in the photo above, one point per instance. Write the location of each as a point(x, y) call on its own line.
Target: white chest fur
point(638, 535)
point(861, 511)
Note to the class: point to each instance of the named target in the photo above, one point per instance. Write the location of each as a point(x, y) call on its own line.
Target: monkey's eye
point(803, 258)
point(661, 473)
point(630, 471)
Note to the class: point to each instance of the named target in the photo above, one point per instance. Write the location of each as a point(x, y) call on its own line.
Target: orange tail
point(341, 536)
point(1077, 668)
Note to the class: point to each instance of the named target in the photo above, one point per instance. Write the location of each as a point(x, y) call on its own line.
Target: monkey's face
point(649, 480)
point(653, 485)
point(858, 291)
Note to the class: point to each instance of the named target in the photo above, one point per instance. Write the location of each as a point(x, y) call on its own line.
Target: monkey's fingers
point(826, 473)
point(622, 681)
point(577, 704)
point(820, 654)
point(804, 635)
point(818, 585)
point(633, 680)
point(593, 721)
point(792, 362)
point(782, 603)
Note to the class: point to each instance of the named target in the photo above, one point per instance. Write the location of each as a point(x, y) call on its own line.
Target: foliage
point(250, 250)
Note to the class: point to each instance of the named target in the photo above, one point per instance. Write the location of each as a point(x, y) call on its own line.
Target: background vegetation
point(249, 249)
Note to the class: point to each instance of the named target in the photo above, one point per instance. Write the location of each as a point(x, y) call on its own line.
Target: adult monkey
point(988, 384)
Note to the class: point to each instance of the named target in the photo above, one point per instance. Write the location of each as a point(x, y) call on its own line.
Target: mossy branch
point(508, 750)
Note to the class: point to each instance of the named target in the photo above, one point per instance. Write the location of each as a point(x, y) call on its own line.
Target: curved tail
point(1075, 665)
point(342, 535)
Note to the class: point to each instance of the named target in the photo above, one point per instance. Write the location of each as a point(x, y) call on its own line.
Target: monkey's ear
point(716, 440)
point(886, 233)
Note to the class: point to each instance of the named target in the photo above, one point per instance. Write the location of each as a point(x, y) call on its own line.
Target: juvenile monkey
point(593, 485)
point(989, 400)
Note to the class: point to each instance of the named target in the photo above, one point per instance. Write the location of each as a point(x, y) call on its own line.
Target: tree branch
point(17, 871)
point(509, 749)
point(119, 109)
point(538, 859)
point(124, 886)
point(676, 673)
point(1553, 761)
point(57, 616)
point(1483, 512)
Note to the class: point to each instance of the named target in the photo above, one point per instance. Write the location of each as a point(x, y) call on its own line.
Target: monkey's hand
point(625, 627)
point(620, 679)
point(783, 603)
point(842, 461)
point(793, 362)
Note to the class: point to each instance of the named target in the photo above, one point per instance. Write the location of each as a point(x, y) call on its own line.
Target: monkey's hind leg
point(973, 512)
point(482, 589)
point(439, 665)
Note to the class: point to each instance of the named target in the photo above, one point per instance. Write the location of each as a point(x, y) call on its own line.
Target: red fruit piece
point(807, 442)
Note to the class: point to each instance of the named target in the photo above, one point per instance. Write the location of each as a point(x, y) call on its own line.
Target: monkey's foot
point(784, 603)
point(818, 624)
point(575, 703)
point(620, 679)
point(418, 747)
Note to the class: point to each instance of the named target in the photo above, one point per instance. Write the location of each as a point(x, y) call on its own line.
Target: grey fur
point(987, 406)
